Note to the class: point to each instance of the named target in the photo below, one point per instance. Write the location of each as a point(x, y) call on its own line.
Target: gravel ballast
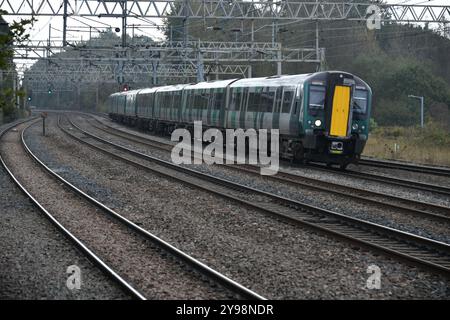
point(35, 255)
point(156, 275)
point(276, 259)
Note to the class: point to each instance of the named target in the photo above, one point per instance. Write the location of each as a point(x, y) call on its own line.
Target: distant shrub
point(373, 125)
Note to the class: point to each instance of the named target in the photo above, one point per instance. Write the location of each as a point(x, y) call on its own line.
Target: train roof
point(283, 80)
point(149, 90)
point(133, 91)
point(176, 87)
point(210, 84)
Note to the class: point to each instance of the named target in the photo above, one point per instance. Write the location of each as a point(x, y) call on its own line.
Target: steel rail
point(435, 170)
point(388, 180)
point(84, 249)
point(416, 249)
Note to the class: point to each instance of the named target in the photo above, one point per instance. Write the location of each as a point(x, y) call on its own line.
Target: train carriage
point(264, 103)
point(116, 105)
point(321, 116)
point(168, 103)
point(205, 102)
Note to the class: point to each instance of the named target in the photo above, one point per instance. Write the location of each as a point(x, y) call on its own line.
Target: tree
point(9, 34)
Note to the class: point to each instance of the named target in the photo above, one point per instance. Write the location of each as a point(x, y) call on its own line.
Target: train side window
point(267, 99)
point(196, 100)
point(287, 101)
point(218, 100)
point(191, 100)
point(236, 94)
point(177, 101)
point(254, 99)
point(203, 100)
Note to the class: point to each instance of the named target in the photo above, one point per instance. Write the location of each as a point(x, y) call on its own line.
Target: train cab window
point(316, 97)
point(316, 103)
point(360, 102)
point(287, 101)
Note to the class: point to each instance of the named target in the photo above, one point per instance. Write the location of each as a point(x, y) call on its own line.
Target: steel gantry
point(227, 9)
point(170, 51)
point(43, 74)
point(115, 62)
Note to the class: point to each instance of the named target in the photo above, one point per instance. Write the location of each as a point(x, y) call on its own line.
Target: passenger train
point(321, 117)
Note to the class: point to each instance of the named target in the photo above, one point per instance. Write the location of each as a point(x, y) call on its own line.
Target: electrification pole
point(124, 23)
point(421, 107)
point(65, 24)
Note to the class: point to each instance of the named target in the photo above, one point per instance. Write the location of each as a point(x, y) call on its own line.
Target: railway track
point(84, 249)
point(439, 171)
point(181, 258)
point(361, 175)
point(415, 249)
point(388, 180)
point(414, 207)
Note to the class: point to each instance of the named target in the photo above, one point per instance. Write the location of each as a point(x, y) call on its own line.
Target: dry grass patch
point(430, 145)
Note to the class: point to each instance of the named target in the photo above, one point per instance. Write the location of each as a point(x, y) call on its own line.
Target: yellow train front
point(336, 115)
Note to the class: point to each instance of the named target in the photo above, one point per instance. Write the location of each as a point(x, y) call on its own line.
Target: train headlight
point(355, 126)
point(317, 123)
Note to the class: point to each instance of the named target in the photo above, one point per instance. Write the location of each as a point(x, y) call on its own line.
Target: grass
point(430, 145)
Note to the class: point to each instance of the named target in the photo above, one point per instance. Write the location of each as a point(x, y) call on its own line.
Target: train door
point(205, 105)
point(340, 112)
point(243, 107)
point(276, 108)
point(252, 107)
point(287, 99)
point(338, 102)
point(266, 110)
point(232, 113)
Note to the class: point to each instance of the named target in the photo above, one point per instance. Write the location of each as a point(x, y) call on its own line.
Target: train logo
point(257, 147)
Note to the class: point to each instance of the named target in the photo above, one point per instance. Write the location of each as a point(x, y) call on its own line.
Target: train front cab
point(336, 118)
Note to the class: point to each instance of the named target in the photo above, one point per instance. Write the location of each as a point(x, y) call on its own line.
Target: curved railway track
point(84, 249)
point(415, 249)
point(414, 207)
point(372, 177)
point(182, 257)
